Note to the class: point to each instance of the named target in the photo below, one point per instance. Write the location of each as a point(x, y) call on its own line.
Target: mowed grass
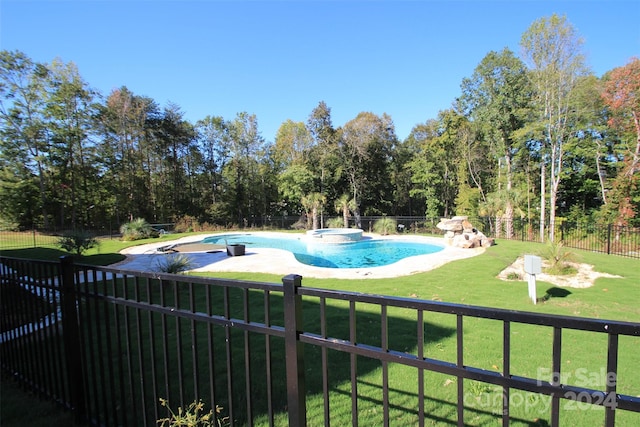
point(474, 281)
point(105, 253)
point(471, 281)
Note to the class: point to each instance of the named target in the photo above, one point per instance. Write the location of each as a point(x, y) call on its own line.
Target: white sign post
point(532, 266)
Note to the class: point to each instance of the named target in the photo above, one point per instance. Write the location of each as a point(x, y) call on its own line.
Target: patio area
point(214, 258)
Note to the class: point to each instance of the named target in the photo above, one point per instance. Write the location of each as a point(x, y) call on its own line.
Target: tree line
point(536, 136)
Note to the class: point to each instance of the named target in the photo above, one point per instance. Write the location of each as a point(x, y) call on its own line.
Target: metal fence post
point(71, 339)
point(294, 351)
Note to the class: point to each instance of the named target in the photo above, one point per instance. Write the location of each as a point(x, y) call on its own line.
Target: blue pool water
point(363, 253)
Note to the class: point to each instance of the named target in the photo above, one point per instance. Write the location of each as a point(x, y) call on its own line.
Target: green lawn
point(470, 281)
point(473, 281)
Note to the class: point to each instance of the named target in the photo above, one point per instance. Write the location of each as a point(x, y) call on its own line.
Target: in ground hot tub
point(335, 235)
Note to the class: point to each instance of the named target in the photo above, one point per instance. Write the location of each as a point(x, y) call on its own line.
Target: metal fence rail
point(607, 238)
point(261, 350)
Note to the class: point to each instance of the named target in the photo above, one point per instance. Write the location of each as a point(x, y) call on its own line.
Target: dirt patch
point(584, 278)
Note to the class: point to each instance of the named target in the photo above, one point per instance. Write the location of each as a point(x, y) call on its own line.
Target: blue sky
point(277, 60)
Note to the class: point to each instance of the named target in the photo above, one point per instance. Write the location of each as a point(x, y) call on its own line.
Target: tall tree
point(72, 111)
point(241, 172)
point(435, 168)
point(23, 157)
point(622, 95)
point(449, 145)
point(291, 155)
point(365, 149)
point(213, 142)
point(324, 161)
point(591, 149)
point(496, 97)
point(552, 50)
point(401, 178)
point(171, 137)
point(293, 144)
point(293, 183)
point(423, 167)
point(126, 155)
point(470, 179)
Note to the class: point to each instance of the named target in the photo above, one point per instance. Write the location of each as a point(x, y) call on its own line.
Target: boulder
point(467, 227)
point(487, 242)
point(462, 241)
point(449, 225)
point(459, 232)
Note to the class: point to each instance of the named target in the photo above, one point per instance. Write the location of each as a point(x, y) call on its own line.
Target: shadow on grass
point(555, 293)
point(448, 407)
point(183, 357)
point(39, 253)
point(52, 254)
point(222, 365)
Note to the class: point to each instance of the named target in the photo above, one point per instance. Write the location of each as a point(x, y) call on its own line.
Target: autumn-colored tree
point(621, 94)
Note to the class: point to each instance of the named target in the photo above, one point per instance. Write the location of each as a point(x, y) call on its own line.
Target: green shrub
point(192, 416)
point(189, 224)
point(514, 276)
point(335, 223)
point(137, 229)
point(186, 224)
point(385, 226)
point(174, 264)
point(77, 242)
point(558, 258)
point(8, 225)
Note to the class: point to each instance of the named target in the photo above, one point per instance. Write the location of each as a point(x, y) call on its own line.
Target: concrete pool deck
point(276, 261)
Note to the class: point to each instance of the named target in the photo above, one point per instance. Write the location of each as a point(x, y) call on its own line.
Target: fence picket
point(216, 305)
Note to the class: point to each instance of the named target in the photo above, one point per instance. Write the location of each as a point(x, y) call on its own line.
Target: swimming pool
point(363, 253)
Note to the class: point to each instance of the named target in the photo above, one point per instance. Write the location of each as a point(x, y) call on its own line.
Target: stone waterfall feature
point(459, 232)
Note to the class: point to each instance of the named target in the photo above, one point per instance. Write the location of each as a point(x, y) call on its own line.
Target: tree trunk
point(635, 163)
point(314, 215)
point(600, 177)
point(543, 190)
point(508, 211)
point(552, 215)
point(508, 219)
point(345, 216)
point(43, 196)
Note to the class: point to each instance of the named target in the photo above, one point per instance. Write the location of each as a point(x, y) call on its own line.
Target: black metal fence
point(605, 238)
point(26, 239)
point(107, 344)
point(609, 239)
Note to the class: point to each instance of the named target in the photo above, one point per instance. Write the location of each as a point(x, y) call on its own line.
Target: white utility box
point(532, 266)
